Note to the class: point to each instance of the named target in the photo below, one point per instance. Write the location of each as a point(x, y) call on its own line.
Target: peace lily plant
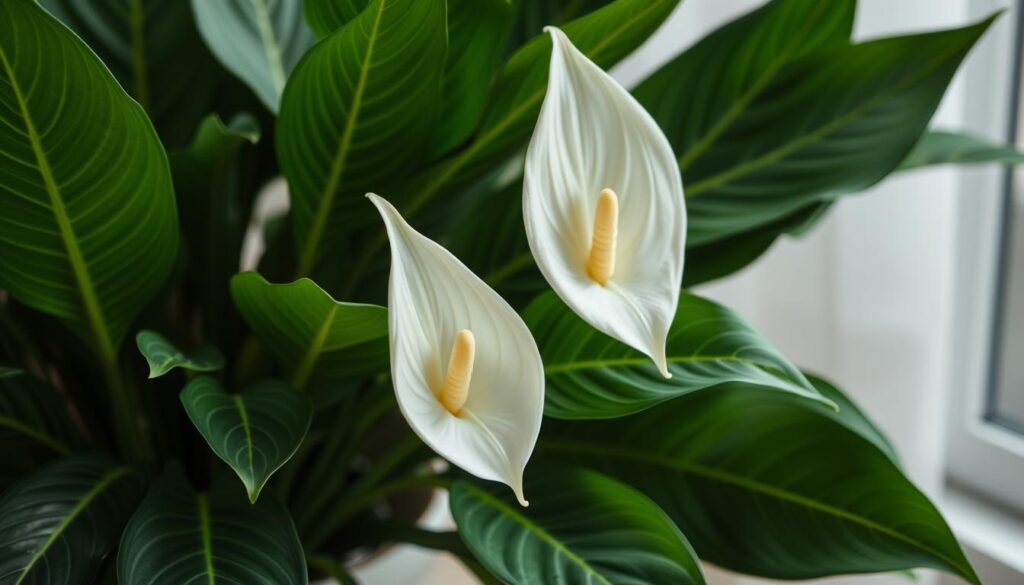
point(509, 320)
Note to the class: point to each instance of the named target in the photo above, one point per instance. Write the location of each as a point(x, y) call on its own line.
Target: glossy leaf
point(591, 375)
point(260, 41)
point(767, 485)
point(89, 230)
point(820, 127)
point(57, 525)
point(318, 340)
point(216, 538)
point(476, 36)
point(155, 52)
point(32, 410)
point(718, 259)
point(358, 113)
point(851, 416)
point(939, 147)
point(605, 36)
point(163, 356)
point(581, 526)
point(255, 432)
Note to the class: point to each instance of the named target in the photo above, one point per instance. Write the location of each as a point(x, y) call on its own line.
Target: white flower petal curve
point(592, 135)
point(432, 297)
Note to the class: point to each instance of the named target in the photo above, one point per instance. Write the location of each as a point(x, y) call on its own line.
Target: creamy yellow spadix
point(467, 373)
point(603, 204)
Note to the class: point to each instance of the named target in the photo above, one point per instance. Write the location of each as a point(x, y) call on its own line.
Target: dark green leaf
point(216, 538)
point(590, 375)
point(58, 524)
point(356, 116)
point(476, 36)
point(938, 147)
point(580, 526)
point(814, 129)
point(317, 339)
point(767, 485)
point(153, 48)
point(718, 259)
point(260, 41)
point(605, 36)
point(163, 356)
point(533, 15)
point(850, 415)
point(211, 186)
point(89, 229)
point(327, 16)
point(255, 432)
point(33, 410)
point(733, 65)
point(491, 241)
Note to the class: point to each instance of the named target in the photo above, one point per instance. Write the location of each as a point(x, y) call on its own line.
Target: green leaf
point(327, 16)
point(33, 410)
point(356, 116)
point(580, 526)
point(318, 340)
point(590, 375)
point(767, 485)
point(605, 36)
point(260, 41)
point(718, 259)
point(163, 356)
point(216, 538)
point(154, 50)
point(735, 64)
point(533, 15)
point(817, 128)
point(89, 230)
point(476, 37)
point(491, 241)
point(938, 147)
point(57, 525)
point(255, 432)
point(850, 415)
point(212, 188)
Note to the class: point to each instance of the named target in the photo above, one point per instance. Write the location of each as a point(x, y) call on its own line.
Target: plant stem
point(337, 456)
point(352, 500)
point(331, 568)
point(133, 443)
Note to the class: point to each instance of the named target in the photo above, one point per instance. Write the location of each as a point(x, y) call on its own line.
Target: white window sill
point(993, 536)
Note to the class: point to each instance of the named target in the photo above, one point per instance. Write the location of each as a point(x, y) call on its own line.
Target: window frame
point(985, 457)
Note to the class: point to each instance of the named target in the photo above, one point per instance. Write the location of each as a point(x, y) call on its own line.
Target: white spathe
point(592, 136)
point(432, 299)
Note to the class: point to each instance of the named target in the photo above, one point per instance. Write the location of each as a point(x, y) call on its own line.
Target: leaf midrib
point(784, 150)
point(316, 347)
point(720, 476)
point(309, 252)
point(271, 47)
point(594, 364)
point(104, 482)
point(203, 506)
point(537, 530)
point(90, 301)
point(243, 414)
point(34, 433)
